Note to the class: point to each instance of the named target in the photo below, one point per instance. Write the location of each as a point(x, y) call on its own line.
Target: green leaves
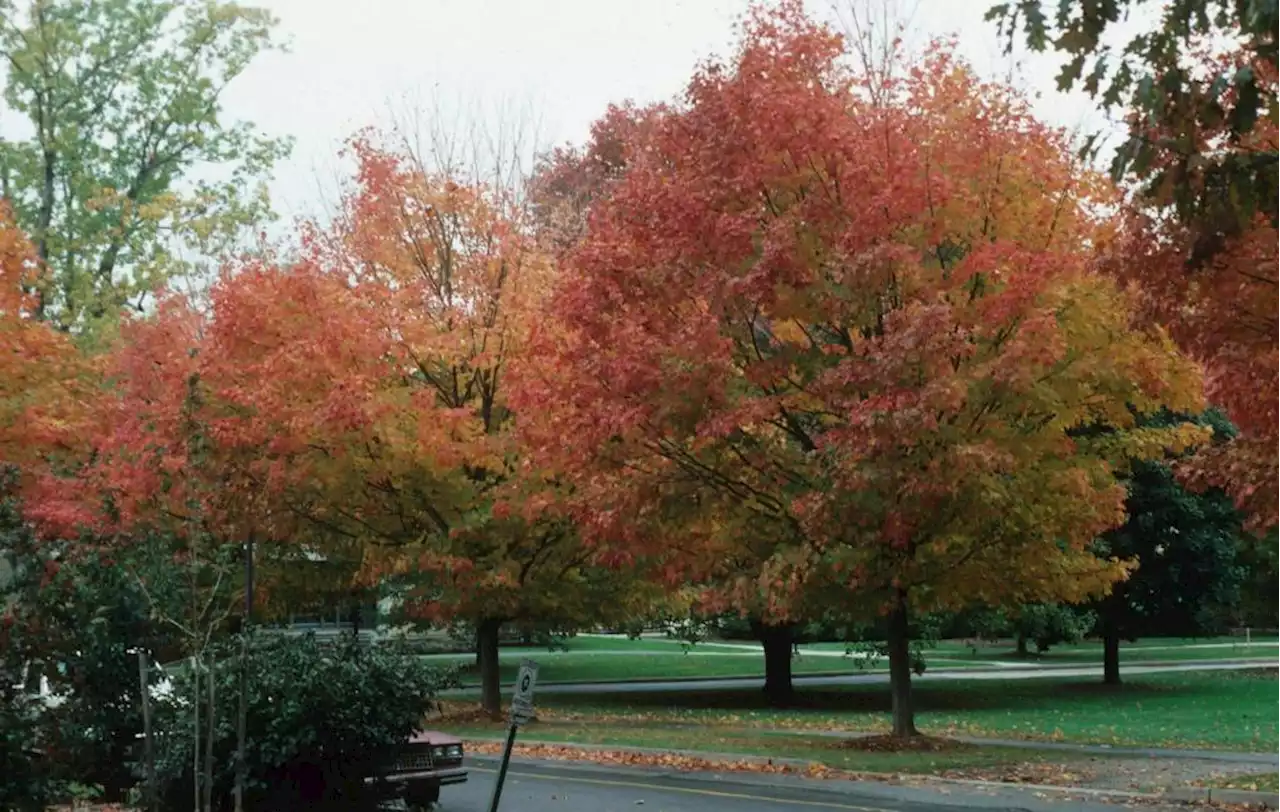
point(339, 704)
point(123, 101)
point(1176, 110)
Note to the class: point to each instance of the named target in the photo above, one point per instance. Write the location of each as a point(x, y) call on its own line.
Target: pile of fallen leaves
point(1044, 774)
point(674, 761)
point(894, 744)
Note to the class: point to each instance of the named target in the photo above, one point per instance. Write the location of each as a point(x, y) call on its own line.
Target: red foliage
point(816, 343)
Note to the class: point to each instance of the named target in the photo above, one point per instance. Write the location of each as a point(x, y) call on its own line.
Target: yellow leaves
point(1155, 443)
point(789, 331)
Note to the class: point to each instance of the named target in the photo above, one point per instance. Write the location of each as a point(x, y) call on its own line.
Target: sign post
point(521, 713)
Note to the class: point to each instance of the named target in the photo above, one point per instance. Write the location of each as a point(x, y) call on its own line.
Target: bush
point(319, 714)
point(25, 781)
point(92, 617)
point(1050, 624)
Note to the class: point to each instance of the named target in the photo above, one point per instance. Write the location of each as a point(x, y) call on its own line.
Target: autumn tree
point(853, 340)
point(1224, 313)
point(457, 276)
point(353, 404)
point(1197, 93)
point(128, 166)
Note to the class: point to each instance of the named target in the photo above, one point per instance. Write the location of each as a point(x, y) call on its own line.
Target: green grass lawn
point(606, 667)
point(1226, 710)
point(1153, 650)
point(605, 659)
point(601, 659)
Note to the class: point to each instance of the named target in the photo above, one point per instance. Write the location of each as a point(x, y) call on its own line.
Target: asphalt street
point(540, 786)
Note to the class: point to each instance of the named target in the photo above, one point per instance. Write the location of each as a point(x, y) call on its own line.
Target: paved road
point(835, 680)
point(540, 786)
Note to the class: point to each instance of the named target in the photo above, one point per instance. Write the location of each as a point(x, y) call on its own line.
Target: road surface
point(540, 786)
point(836, 680)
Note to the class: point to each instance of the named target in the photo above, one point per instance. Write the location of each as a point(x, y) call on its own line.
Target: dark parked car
point(427, 762)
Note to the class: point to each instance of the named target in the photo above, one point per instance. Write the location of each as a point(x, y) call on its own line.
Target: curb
point(1190, 795)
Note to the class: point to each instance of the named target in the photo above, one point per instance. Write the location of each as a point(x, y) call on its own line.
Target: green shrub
point(318, 715)
point(1051, 624)
point(25, 780)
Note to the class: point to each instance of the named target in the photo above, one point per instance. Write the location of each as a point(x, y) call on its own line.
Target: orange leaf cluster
point(45, 382)
point(352, 403)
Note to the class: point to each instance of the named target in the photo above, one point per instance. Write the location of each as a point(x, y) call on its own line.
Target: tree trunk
point(1110, 653)
point(487, 649)
point(1022, 644)
point(195, 732)
point(904, 717)
point(242, 718)
point(149, 753)
point(210, 733)
point(777, 644)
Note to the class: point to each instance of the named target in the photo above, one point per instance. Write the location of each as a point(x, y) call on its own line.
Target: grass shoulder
point(1227, 710)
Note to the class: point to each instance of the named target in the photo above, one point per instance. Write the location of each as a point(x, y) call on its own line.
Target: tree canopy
point(129, 168)
point(849, 339)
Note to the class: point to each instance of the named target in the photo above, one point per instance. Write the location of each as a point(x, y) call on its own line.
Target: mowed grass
point(611, 659)
point(828, 751)
point(600, 658)
point(1153, 650)
point(1232, 710)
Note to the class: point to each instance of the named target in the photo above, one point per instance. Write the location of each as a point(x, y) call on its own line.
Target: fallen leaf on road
point(633, 758)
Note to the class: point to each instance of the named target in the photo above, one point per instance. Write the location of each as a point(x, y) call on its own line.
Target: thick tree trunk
point(777, 643)
point(487, 650)
point(1022, 644)
point(904, 717)
point(1110, 653)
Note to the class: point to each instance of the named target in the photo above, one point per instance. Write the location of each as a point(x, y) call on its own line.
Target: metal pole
point(502, 768)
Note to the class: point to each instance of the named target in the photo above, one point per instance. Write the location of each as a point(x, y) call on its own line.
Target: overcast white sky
point(561, 61)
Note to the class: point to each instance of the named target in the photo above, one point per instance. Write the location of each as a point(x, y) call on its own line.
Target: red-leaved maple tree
point(826, 346)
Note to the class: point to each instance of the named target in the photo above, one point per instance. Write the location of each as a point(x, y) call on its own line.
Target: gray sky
point(557, 61)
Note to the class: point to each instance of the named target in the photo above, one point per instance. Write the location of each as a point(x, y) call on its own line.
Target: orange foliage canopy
point(821, 344)
point(46, 384)
point(352, 403)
